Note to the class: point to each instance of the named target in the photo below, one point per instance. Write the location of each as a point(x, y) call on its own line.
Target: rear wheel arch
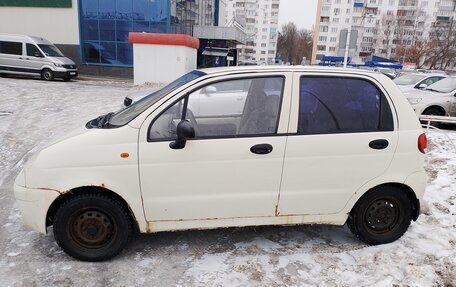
point(415, 203)
point(89, 190)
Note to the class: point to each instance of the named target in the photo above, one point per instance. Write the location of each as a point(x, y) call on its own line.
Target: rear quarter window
point(13, 48)
point(342, 105)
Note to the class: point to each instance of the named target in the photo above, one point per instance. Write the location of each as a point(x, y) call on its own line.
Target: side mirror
point(184, 132)
point(422, 86)
point(210, 90)
point(38, 54)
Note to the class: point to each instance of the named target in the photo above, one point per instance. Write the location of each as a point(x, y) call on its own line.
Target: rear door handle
point(379, 144)
point(261, 148)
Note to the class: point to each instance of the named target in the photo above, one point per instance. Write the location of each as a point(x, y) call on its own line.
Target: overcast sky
point(301, 12)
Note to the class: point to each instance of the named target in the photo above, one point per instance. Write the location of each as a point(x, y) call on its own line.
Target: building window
point(105, 25)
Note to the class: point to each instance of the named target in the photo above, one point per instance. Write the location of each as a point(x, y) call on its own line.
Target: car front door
point(34, 57)
point(232, 168)
point(342, 136)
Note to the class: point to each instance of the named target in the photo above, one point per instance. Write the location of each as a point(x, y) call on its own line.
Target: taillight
point(422, 143)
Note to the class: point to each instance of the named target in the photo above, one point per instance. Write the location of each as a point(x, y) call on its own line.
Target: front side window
point(12, 48)
point(431, 80)
point(33, 51)
point(446, 85)
point(342, 105)
point(225, 109)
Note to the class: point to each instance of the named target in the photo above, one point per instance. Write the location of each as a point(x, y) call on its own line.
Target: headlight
point(57, 65)
point(414, 101)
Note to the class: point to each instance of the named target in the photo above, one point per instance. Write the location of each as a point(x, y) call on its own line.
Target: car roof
point(17, 37)
point(283, 68)
point(426, 74)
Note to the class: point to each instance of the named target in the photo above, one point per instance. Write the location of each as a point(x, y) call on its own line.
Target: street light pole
point(347, 44)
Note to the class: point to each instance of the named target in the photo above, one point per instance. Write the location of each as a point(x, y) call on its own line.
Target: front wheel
point(92, 227)
point(47, 75)
point(381, 215)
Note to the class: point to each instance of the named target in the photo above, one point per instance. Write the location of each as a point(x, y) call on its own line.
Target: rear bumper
point(34, 205)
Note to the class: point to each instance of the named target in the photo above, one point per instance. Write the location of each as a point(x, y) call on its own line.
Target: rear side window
point(342, 105)
point(13, 48)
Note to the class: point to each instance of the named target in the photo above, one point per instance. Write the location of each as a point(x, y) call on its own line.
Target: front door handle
point(379, 144)
point(261, 148)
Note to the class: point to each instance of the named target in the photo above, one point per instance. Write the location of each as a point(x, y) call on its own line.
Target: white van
point(310, 145)
point(34, 56)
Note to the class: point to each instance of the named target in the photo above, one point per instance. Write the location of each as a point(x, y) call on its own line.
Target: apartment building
point(388, 28)
point(260, 21)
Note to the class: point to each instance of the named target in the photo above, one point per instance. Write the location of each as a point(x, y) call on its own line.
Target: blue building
point(94, 33)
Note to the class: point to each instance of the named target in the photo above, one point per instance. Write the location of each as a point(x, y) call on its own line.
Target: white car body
point(425, 101)
point(422, 81)
point(217, 182)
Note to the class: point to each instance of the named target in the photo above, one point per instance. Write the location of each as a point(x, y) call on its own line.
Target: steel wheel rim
point(382, 215)
point(92, 228)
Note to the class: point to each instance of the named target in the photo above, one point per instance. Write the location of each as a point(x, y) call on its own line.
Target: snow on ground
point(32, 112)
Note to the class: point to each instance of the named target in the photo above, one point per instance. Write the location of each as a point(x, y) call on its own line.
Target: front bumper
point(66, 74)
point(34, 205)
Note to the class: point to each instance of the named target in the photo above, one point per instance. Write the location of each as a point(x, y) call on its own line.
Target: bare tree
point(443, 45)
point(294, 44)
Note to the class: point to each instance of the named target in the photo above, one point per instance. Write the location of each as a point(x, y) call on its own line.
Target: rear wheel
point(92, 227)
point(47, 75)
point(381, 215)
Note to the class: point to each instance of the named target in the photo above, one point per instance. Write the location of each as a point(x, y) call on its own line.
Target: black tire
point(47, 75)
point(433, 112)
point(381, 216)
point(66, 79)
point(92, 227)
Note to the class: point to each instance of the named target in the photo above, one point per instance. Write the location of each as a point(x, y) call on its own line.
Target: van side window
point(32, 50)
point(342, 105)
point(12, 48)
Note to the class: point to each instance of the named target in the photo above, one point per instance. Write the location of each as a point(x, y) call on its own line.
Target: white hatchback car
point(310, 145)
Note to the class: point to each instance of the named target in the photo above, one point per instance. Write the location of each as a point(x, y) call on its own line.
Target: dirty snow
point(33, 112)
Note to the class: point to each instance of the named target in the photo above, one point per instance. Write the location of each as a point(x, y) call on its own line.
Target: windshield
point(408, 79)
point(124, 116)
point(446, 85)
point(50, 50)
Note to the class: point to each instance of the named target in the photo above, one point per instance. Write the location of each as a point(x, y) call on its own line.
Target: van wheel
point(47, 75)
point(381, 215)
point(92, 227)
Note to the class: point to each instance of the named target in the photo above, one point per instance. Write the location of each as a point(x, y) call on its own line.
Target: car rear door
point(342, 135)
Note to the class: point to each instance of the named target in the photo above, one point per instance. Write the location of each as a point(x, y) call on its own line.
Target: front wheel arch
point(89, 190)
point(434, 110)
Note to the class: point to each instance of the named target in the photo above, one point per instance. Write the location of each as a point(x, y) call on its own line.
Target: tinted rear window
point(13, 48)
point(342, 105)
